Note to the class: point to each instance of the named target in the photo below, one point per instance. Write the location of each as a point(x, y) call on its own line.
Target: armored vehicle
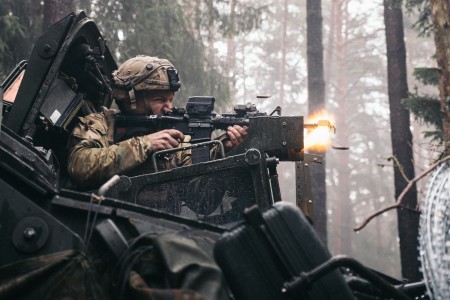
point(225, 235)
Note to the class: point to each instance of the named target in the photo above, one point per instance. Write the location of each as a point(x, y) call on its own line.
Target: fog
point(359, 180)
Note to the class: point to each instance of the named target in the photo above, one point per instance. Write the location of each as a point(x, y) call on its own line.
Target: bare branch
point(402, 195)
point(400, 167)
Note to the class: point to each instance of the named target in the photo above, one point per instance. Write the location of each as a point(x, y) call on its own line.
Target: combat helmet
point(143, 73)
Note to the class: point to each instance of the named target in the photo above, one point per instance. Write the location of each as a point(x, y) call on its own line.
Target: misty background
point(236, 50)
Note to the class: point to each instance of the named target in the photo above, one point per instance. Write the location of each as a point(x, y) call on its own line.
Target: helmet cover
point(144, 73)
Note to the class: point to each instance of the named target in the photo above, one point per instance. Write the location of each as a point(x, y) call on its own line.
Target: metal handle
point(162, 152)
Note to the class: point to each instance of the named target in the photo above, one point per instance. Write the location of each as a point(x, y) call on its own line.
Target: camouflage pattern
point(144, 73)
point(61, 275)
point(174, 267)
point(166, 267)
point(140, 290)
point(94, 158)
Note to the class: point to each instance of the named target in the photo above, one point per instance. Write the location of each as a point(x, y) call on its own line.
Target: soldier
point(142, 85)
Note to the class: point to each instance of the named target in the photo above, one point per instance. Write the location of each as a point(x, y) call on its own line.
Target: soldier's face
point(153, 103)
point(159, 103)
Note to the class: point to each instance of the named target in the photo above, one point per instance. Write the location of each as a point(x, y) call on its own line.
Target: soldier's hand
point(166, 139)
point(236, 135)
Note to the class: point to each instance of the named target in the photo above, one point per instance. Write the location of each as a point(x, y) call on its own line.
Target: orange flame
point(318, 138)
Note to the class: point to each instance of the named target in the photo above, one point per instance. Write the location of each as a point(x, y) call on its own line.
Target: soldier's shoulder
point(93, 122)
point(97, 117)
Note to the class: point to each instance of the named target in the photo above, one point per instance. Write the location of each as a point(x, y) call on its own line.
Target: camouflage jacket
point(94, 158)
point(165, 267)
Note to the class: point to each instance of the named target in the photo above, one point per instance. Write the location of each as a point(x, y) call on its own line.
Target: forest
point(371, 65)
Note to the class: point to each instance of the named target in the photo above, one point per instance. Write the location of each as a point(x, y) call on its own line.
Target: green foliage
point(428, 76)
point(176, 31)
point(20, 23)
point(9, 26)
point(437, 135)
point(424, 24)
point(207, 15)
point(245, 19)
point(426, 109)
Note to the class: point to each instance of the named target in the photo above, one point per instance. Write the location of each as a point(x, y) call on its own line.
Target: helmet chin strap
point(132, 96)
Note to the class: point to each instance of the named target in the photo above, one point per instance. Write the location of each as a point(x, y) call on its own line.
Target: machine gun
point(196, 120)
point(199, 121)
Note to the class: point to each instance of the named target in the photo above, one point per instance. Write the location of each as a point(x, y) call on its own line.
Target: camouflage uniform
point(94, 158)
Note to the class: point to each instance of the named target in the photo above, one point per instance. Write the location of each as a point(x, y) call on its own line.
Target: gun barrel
point(320, 123)
point(224, 122)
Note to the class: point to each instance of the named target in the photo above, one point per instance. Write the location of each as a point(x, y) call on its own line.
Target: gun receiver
point(274, 134)
point(196, 120)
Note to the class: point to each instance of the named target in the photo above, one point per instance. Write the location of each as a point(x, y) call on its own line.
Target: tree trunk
point(55, 10)
point(401, 137)
point(316, 102)
point(231, 48)
point(441, 20)
point(283, 51)
point(331, 46)
point(344, 208)
point(282, 168)
point(211, 34)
